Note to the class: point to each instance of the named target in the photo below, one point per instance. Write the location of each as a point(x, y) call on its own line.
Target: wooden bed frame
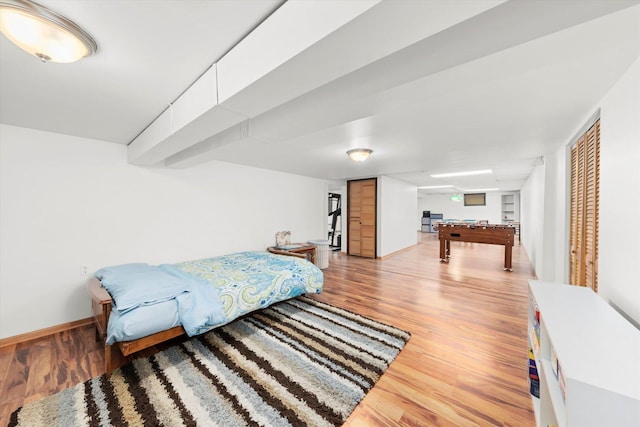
point(120, 353)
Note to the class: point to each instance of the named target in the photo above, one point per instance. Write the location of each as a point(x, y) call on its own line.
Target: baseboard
point(17, 339)
point(396, 252)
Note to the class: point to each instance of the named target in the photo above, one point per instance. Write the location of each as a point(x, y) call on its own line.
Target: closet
point(585, 185)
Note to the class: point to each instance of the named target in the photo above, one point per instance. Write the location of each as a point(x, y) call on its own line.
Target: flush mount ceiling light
point(44, 33)
point(359, 154)
point(466, 173)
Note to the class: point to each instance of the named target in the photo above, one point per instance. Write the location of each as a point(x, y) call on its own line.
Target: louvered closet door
point(591, 194)
point(585, 183)
point(577, 209)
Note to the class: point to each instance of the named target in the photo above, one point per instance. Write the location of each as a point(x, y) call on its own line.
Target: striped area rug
point(299, 362)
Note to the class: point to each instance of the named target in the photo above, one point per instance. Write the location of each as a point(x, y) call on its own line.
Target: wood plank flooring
point(464, 365)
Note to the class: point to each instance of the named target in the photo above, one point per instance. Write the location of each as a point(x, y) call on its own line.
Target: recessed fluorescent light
point(467, 173)
point(436, 186)
point(481, 190)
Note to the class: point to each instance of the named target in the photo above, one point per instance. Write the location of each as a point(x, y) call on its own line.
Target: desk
point(305, 250)
point(491, 234)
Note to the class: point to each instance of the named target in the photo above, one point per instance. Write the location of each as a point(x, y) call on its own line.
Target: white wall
point(440, 203)
point(397, 204)
point(532, 217)
point(67, 202)
point(557, 211)
point(619, 244)
point(544, 202)
point(543, 215)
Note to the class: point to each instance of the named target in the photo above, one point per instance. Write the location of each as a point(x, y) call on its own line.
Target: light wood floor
point(464, 365)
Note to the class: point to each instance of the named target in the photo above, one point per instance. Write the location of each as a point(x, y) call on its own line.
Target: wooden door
point(361, 214)
point(585, 184)
point(576, 273)
point(354, 213)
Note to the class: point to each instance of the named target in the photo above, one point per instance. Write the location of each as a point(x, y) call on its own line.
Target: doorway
point(335, 215)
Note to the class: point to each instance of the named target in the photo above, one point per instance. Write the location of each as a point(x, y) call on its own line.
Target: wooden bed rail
point(100, 307)
point(118, 354)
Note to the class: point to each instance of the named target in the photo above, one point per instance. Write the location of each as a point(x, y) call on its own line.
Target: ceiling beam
point(293, 28)
point(299, 48)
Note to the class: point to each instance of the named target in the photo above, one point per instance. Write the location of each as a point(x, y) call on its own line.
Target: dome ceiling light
point(44, 33)
point(359, 154)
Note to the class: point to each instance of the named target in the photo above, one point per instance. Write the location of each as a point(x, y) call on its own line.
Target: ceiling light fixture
point(44, 33)
point(481, 190)
point(359, 154)
point(467, 173)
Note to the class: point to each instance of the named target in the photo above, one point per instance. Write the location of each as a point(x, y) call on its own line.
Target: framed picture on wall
point(475, 199)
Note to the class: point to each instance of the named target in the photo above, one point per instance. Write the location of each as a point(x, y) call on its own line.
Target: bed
point(136, 306)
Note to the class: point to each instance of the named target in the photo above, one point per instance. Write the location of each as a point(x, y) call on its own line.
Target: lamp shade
point(43, 33)
point(359, 154)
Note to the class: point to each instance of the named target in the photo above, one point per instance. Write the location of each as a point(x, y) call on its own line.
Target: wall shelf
point(598, 354)
point(510, 208)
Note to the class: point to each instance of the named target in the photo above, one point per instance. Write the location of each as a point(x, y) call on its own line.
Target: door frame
point(348, 216)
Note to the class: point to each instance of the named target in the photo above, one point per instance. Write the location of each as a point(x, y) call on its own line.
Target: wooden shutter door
point(585, 183)
point(577, 215)
point(573, 231)
point(591, 196)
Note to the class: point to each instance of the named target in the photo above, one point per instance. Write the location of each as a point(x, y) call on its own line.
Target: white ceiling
point(434, 86)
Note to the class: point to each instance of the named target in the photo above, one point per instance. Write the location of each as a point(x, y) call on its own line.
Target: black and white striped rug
point(299, 362)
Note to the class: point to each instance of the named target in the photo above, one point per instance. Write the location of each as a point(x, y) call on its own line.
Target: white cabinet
point(587, 356)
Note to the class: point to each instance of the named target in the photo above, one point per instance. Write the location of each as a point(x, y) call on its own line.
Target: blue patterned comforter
point(239, 283)
point(248, 281)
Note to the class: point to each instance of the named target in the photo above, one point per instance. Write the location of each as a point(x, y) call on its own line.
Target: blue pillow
point(133, 285)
